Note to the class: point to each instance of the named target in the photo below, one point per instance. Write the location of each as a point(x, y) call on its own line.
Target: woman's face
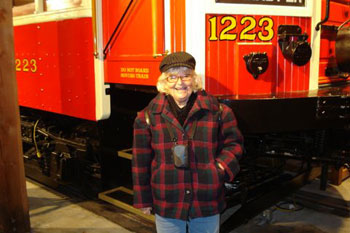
point(179, 85)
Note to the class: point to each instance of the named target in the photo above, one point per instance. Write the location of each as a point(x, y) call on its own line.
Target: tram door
point(133, 33)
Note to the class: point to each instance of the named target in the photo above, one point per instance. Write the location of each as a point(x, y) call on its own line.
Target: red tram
point(85, 67)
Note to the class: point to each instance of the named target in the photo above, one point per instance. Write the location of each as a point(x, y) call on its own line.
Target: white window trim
point(41, 16)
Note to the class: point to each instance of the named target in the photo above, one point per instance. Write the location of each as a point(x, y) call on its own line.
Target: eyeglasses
point(175, 78)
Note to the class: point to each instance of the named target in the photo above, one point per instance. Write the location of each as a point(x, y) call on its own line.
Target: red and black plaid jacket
point(196, 191)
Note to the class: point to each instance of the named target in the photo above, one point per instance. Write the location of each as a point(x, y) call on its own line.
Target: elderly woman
point(186, 145)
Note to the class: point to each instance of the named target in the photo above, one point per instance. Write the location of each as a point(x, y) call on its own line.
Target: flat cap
point(177, 59)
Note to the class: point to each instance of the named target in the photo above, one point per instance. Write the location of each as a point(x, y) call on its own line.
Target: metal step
point(122, 198)
point(126, 153)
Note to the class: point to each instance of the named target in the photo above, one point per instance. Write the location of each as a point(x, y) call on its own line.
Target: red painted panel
point(178, 26)
point(226, 72)
point(60, 75)
point(130, 59)
point(244, 82)
point(339, 13)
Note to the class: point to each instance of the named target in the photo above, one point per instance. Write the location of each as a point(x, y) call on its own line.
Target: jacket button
point(188, 192)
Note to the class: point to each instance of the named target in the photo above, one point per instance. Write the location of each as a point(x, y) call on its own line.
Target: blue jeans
point(209, 224)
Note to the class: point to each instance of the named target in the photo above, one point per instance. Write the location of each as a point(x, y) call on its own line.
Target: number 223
point(26, 65)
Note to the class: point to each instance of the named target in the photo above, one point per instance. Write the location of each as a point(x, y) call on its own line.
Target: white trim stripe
point(73, 13)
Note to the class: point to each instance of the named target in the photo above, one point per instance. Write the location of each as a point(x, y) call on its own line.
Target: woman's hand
point(221, 171)
point(221, 167)
point(146, 210)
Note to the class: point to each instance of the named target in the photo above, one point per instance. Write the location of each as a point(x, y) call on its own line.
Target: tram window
point(23, 7)
point(52, 5)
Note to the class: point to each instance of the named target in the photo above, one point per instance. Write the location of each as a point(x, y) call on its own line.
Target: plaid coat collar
point(159, 105)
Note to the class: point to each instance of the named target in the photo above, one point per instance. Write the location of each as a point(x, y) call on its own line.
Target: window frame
point(283, 3)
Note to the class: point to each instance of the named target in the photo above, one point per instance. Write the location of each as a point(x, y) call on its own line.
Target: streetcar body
point(93, 44)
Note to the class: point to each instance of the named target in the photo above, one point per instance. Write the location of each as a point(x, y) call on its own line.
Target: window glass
point(23, 7)
point(52, 5)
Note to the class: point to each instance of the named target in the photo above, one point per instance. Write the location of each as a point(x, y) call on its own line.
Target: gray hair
point(162, 80)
